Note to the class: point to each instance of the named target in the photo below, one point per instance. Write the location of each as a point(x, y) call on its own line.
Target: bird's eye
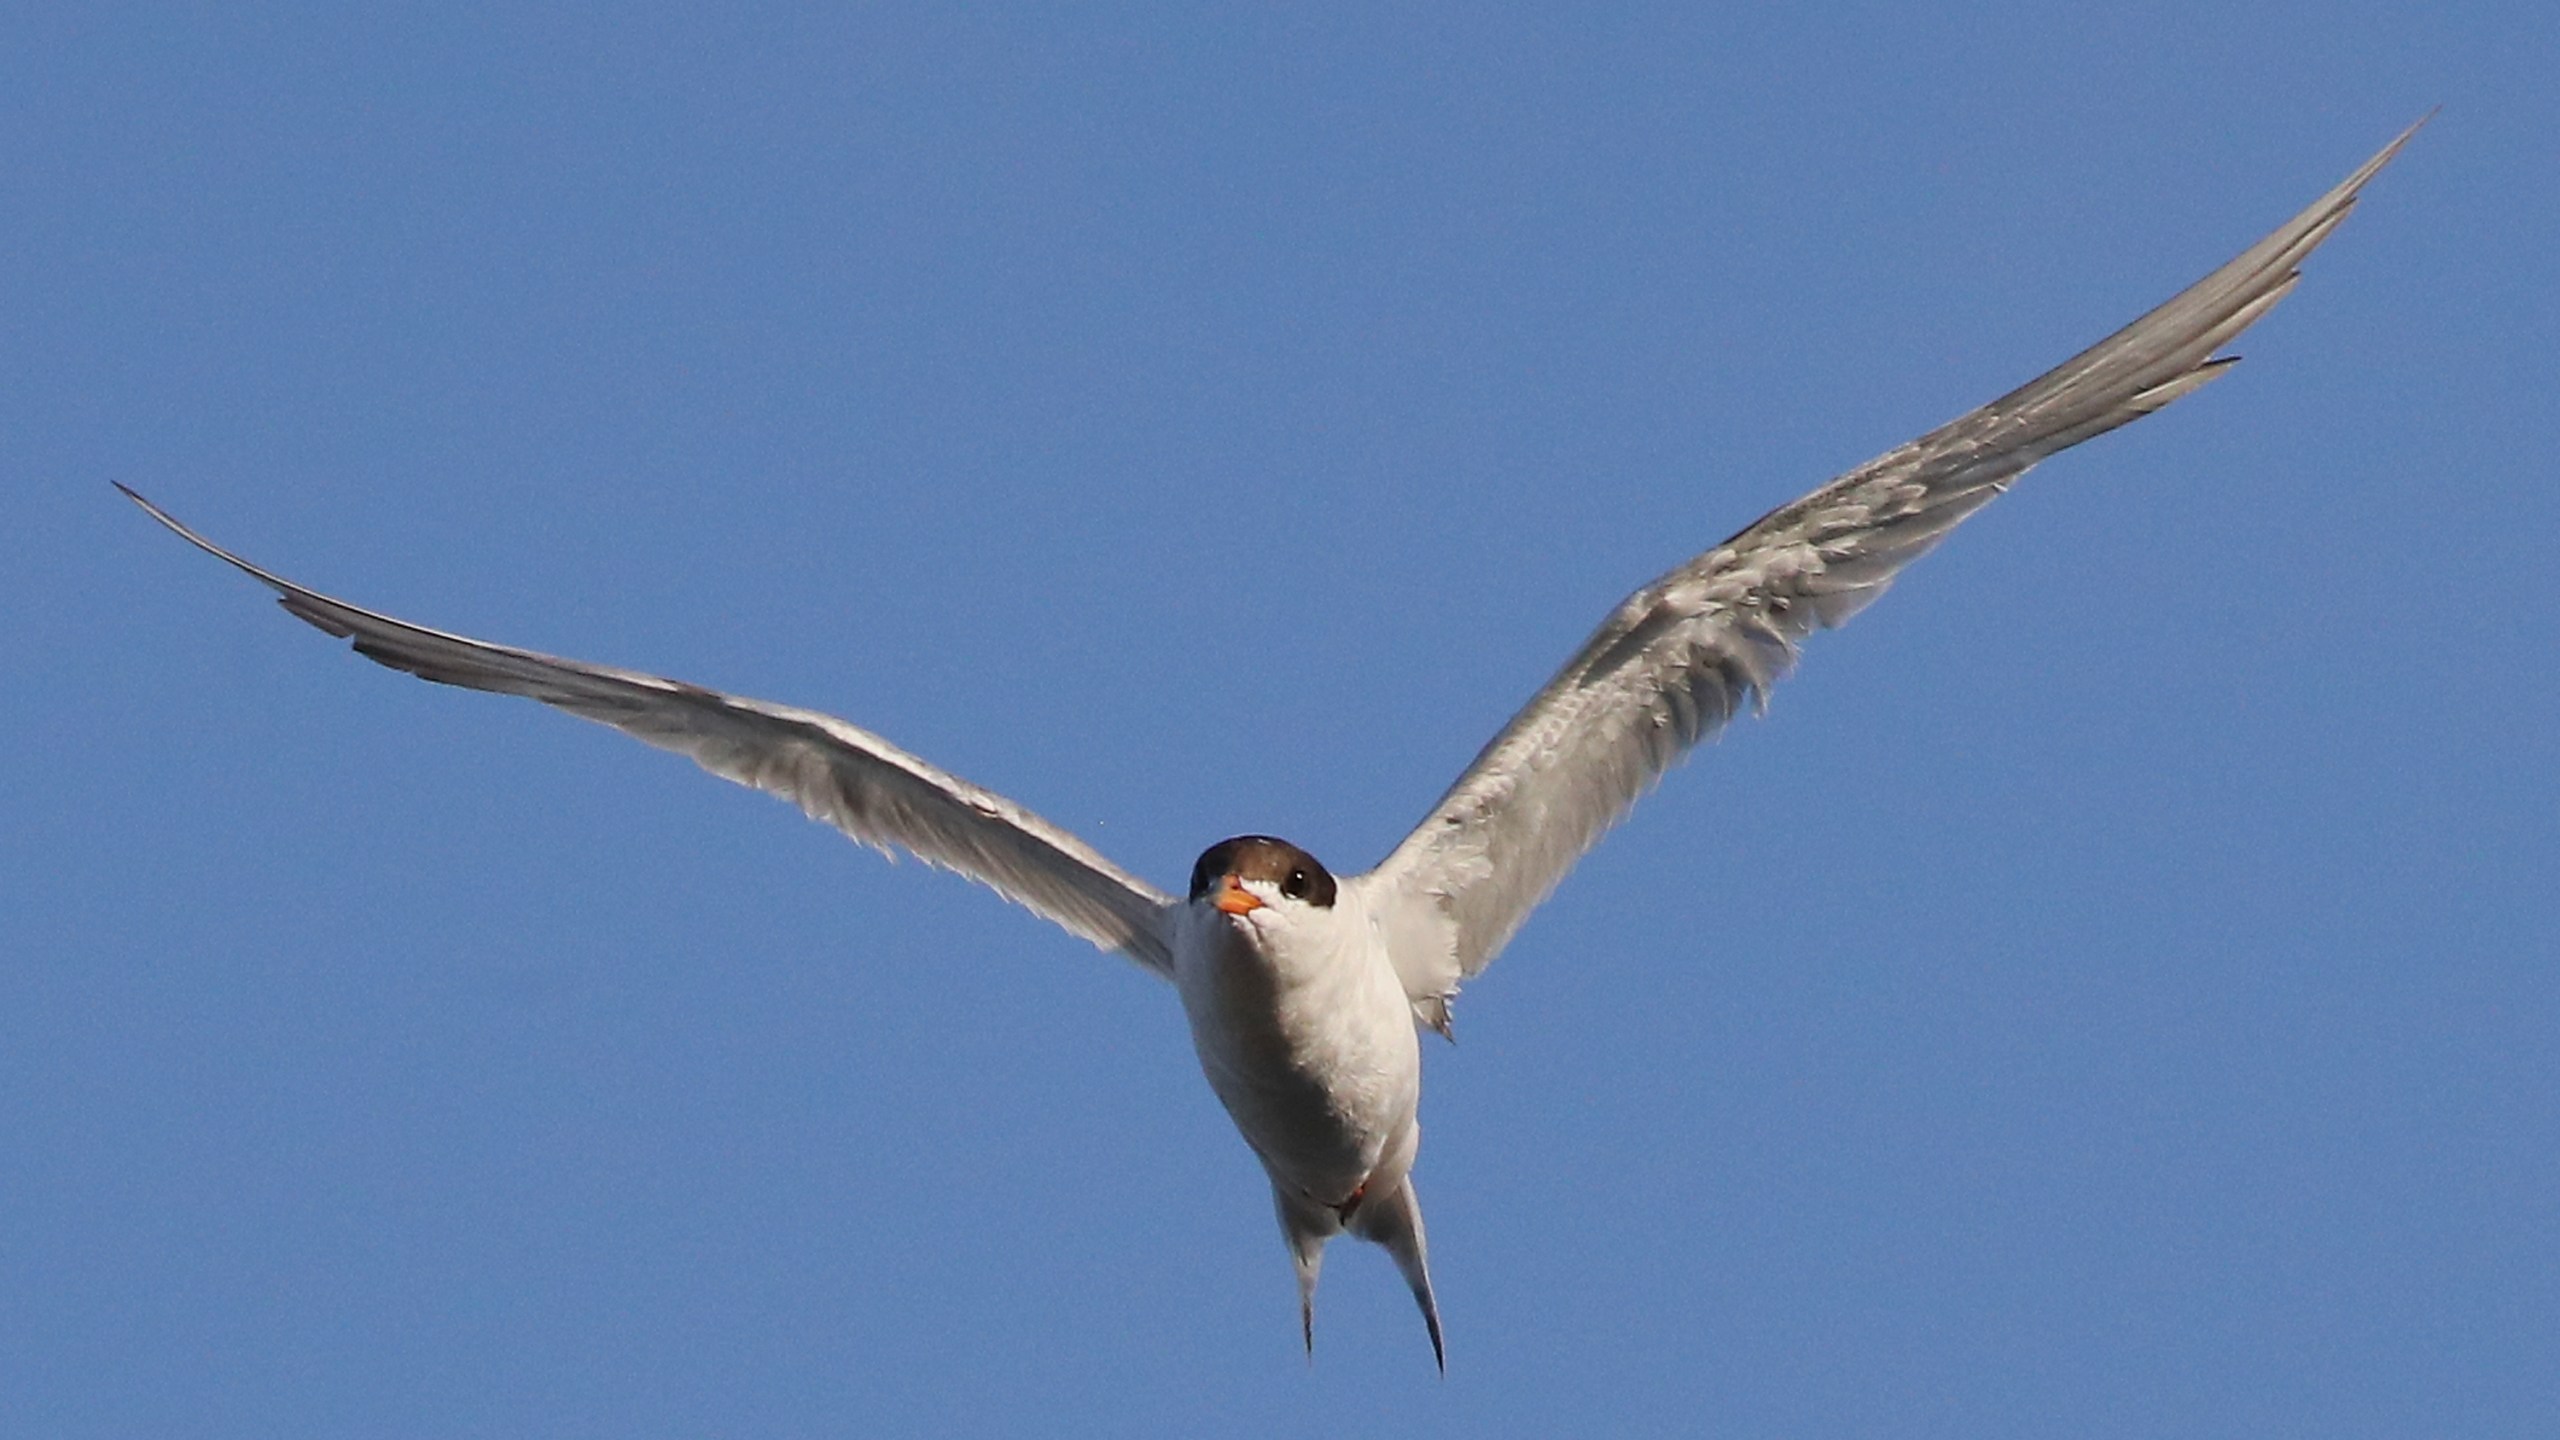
point(1295, 887)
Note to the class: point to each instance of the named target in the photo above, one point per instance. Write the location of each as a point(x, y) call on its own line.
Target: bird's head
point(1256, 880)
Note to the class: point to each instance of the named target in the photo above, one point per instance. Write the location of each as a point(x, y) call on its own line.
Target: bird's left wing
point(838, 773)
point(1679, 657)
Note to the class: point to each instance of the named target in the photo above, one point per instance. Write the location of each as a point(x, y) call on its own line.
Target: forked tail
point(1392, 1220)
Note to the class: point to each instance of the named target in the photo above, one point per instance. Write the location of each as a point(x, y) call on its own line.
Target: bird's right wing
point(840, 774)
point(1681, 656)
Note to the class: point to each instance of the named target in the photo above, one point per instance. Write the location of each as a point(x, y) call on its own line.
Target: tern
point(1306, 990)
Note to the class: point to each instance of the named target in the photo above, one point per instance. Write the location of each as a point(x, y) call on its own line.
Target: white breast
point(1305, 1034)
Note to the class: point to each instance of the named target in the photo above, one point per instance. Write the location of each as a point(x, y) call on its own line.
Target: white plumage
point(1303, 992)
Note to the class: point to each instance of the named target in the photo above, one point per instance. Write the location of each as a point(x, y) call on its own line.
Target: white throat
point(1304, 1032)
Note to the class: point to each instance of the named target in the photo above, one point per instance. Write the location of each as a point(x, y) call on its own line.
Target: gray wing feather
point(1681, 656)
point(837, 773)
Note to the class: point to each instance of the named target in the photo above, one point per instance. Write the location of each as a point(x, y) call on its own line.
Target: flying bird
point(1306, 989)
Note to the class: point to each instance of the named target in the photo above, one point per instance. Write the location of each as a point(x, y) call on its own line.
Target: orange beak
point(1234, 899)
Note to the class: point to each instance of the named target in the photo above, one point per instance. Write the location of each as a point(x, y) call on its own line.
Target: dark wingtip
point(171, 521)
point(154, 511)
point(2388, 152)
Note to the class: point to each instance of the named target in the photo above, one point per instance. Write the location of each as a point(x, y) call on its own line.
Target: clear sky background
point(2112, 994)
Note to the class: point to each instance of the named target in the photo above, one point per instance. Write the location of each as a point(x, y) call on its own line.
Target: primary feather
point(837, 772)
point(1682, 655)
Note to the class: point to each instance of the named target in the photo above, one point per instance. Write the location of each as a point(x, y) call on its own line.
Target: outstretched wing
point(1674, 662)
point(845, 776)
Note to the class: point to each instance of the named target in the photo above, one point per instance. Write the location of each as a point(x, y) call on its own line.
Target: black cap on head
point(1260, 857)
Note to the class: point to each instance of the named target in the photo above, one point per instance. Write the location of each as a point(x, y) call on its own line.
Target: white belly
point(1310, 1046)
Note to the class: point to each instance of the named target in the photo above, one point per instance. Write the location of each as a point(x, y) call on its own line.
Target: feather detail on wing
point(838, 773)
point(1682, 655)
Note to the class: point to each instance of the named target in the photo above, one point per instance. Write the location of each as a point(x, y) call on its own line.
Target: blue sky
point(2111, 994)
